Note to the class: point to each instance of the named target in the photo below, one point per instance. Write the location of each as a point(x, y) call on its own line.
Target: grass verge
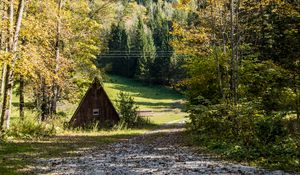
point(19, 156)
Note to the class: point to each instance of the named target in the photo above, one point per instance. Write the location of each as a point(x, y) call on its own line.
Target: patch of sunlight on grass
point(168, 117)
point(146, 97)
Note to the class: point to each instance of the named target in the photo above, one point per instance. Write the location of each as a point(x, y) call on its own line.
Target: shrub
point(246, 132)
point(245, 123)
point(128, 112)
point(31, 128)
point(269, 129)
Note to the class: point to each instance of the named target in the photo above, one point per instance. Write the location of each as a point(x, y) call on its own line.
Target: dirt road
point(156, 152)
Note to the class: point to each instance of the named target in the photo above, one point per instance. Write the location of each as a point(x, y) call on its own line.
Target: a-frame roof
point(95, 99)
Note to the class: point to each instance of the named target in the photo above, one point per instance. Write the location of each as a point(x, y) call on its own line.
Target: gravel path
point(156, 152)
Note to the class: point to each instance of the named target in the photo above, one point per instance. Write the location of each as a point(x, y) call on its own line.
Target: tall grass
point(31, 126)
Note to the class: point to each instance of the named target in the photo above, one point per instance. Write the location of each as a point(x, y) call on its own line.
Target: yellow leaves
point(79, 6)
point(36, 63)
point(5, 57)
point(184, 5)
point(184, 2)
point(190, 41)
point(30, 63)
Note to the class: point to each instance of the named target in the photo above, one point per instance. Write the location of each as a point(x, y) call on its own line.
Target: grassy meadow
point(158, 103)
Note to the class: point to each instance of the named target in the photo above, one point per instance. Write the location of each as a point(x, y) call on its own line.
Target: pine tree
point(117, 55)
point(164, 51)
point(139, 50)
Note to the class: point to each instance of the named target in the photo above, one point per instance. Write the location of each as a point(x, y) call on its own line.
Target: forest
point(234, 63)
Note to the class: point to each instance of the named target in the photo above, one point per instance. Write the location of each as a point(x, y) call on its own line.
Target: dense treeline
point(139, 46)
point(243, 77)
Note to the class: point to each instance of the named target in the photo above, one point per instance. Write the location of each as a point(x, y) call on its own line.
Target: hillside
point(159, 103)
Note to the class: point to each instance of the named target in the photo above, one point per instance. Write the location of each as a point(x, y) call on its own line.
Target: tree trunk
point(18, 28)
point(224, 78)
point(21, 92)
point(11, 25)
point(3, 47)
point(233, 62)
point(298, 104)
point(3, 79)
point(13, 43)
point(45, 100)
point(4, 101)
point(9, 98)
point(5, 116)
point(296, 91)
point(57, 59)
point(237, 53)
point(215, 50)
point(2, 30)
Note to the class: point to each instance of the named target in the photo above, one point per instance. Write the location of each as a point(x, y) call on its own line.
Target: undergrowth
point(247, 134)
point(30, 127)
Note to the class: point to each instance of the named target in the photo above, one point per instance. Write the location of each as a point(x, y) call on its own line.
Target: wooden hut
point(95, 107)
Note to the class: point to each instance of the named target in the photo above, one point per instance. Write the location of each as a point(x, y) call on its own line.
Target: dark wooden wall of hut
point(95, 98)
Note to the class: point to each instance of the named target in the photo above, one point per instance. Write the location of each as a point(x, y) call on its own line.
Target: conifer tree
point(118, 46)
point(139, 50)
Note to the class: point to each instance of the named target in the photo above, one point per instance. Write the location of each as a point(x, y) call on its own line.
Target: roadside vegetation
point(242, 82)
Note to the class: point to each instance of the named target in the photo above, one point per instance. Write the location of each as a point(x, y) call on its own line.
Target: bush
point(31, 128)
point(269, 129)
point(246, 132)
point(246, 123)
point(128, 112)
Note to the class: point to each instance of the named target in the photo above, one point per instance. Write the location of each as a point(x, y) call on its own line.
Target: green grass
point(165, 102)
point(146, 97)
point(168, 117)
point(17, 155)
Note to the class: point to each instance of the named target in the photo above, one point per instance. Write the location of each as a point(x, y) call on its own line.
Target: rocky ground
point(156, 152)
